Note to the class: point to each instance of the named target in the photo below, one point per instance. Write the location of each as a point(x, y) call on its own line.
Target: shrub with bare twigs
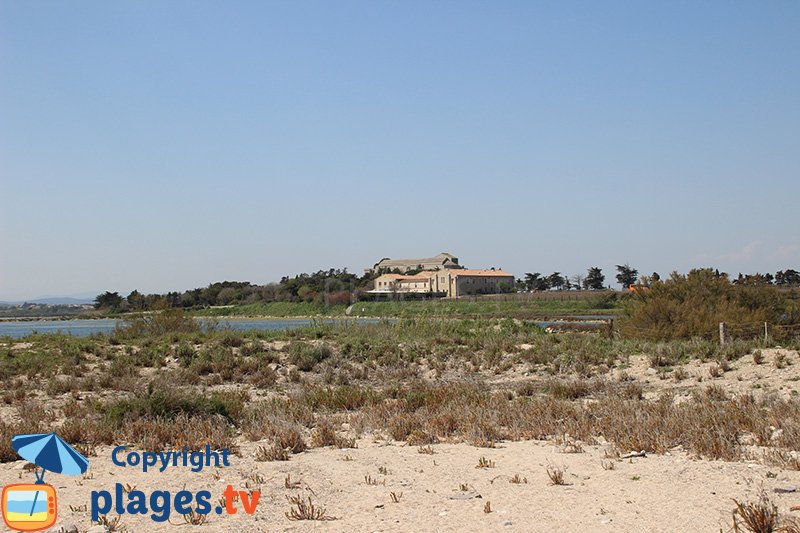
point(306, 510)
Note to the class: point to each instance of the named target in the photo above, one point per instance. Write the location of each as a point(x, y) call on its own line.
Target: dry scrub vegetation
point(161, 386)
point(169, 384)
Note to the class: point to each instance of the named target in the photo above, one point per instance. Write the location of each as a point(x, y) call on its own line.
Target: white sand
point(657, 493)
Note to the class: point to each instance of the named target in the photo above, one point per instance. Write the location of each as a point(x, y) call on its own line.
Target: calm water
point(84, 328)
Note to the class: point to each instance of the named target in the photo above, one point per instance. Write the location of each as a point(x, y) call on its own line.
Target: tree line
point(627, 276)
point(335, 286)
point(332, 286)
point(593, 280)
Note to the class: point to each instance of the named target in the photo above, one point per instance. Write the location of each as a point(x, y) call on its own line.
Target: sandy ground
point(657, 493)
point(744, 376)
point(445, 492)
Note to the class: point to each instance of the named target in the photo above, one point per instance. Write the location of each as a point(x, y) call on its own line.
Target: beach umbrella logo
point(34, 506)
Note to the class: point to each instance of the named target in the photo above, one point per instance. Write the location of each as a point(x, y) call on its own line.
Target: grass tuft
point(306, 510)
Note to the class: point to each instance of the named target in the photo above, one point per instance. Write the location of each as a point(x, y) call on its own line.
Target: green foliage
point(306, 356)
point(53, 352)
point(40, 310)
point(535, 282)
point(789, 277)
point(308, 287)
point(156, 324)
point(604, 300)
point(328, 287)
point(480, 308)
point(556, 280)
point(421, 379)
point(162, 401)
point(110, 301)
point(344, 398)
point(601, 304)
point(595, 279)
point(136, 300)
point(693, 305)
point(275, 309)
point(330, 291)
point(626, 275)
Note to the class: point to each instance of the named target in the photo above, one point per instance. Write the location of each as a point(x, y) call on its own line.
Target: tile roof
point(474, 272)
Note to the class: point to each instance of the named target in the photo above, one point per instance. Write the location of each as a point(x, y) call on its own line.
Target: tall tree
point(788, 277)
point(535, 282)
point(136, 300)
point(108, 300)
point(556, 280)
point(754, 279)
point(626, 275)
point(595, 279)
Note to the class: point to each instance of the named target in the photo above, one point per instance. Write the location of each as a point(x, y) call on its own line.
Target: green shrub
point(568, 389)
point(166, 402)
point(307, 356)
point(693, 305)
point(231, 340)
point(155, 324)
point(345, 398)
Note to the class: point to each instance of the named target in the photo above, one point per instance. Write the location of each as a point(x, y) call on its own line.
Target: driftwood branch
point(634, 454)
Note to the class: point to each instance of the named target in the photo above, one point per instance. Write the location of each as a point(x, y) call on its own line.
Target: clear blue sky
point(165, 145)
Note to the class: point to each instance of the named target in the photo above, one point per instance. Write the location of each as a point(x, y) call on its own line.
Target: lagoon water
point(84, 328)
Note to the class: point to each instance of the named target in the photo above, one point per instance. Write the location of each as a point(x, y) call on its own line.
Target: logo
point(160, 504)
point(34, 506)
point(29, 506)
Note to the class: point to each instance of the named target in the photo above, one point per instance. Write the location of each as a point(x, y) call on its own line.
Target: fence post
point(766, 334)
point(722, 333)
point(611, 328)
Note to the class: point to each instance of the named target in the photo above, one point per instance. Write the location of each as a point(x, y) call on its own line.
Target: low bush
point(157, 323)
point(161, 401)
point(693, 305)
point(307, 356)
point(344, 398)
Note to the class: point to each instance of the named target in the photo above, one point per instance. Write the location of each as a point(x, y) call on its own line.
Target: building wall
point(422, 285)
point(441, 281)
point(387, 282)
point(456, 284)
point(394, 282)
point(481, 284)
point(453, 283)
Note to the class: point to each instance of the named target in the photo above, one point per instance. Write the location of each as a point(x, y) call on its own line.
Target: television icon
point(29, 506)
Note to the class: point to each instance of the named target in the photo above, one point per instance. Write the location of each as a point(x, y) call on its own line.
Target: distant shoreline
point(583, 319)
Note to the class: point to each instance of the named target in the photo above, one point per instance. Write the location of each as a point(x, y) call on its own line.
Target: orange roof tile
point(474, 272)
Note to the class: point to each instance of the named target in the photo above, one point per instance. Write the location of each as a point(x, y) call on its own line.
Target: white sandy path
point(672, 493)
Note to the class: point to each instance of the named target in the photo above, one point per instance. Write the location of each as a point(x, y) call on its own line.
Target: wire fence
point(561, 296)
point(724, 332)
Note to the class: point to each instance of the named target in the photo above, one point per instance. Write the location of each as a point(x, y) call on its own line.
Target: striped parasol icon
point(50, 452)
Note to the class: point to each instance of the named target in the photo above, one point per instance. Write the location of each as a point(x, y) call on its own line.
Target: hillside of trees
point(627, 277)
point(333, 286)
point(337, 286)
